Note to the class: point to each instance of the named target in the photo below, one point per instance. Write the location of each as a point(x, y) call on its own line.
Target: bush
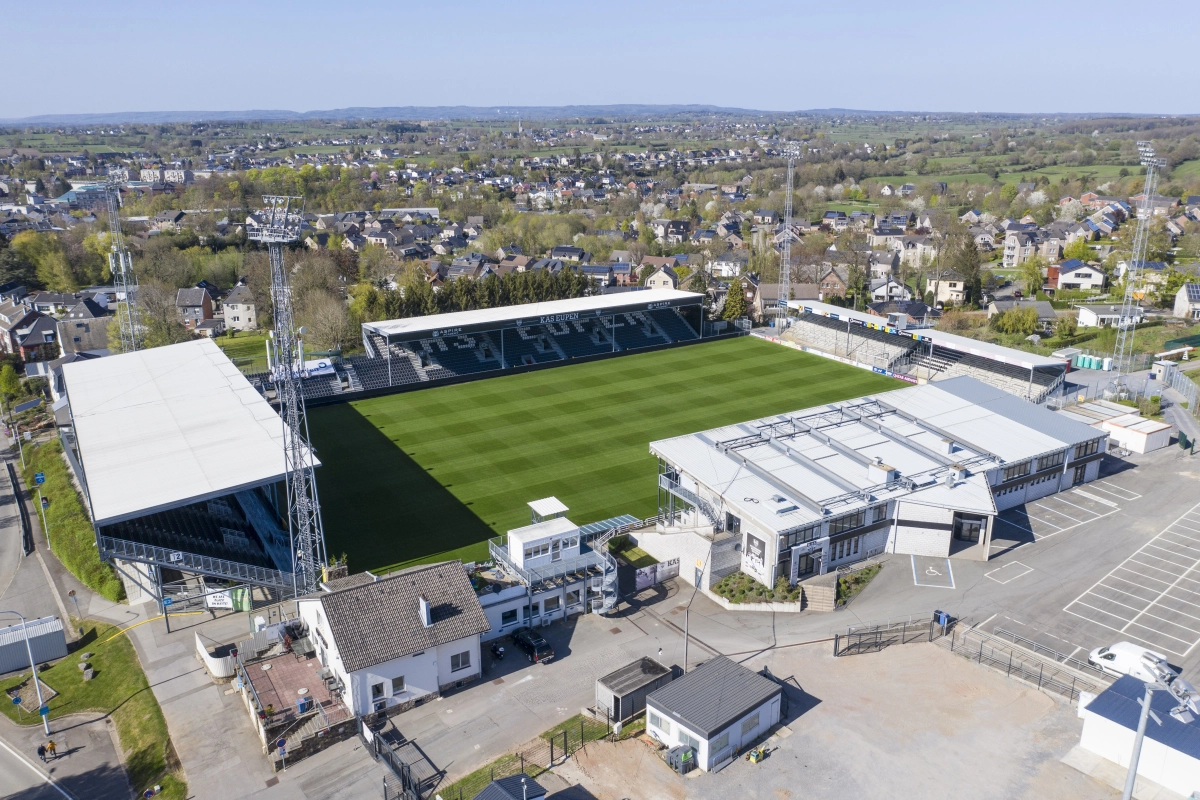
point(738, 587)
point(71, 535)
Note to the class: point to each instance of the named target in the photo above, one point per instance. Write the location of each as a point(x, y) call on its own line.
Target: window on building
point(720, 743)
point(551, 604)
point(880, 513)
point(573, 597)
point(460, 661)
point(659, 722)
point(856, 541)
point(508, 617)
point(376, 690)
point(792, 538)
point(687, 740)
point(1052, 460)
point(848, 522)
point(398, 685)
point(749, 723)
point(1016, 471)
point(1087, 448)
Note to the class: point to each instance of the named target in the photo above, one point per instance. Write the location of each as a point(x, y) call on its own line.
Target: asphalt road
point(19, 780)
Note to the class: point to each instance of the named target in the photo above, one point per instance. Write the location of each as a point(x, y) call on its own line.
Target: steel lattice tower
point(791, 151)
point(282, 225)
point(120, 264)
point(1127, 322)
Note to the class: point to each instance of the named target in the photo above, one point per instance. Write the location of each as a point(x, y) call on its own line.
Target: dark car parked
point(536, 648)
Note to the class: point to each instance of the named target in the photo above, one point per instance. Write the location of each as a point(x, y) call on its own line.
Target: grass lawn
point(432, 474)
point(119, 688)
point(251, 346)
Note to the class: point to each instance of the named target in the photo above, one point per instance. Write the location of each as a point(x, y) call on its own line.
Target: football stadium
point(628, 410)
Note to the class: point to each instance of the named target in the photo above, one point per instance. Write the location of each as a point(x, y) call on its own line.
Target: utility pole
point(282, 226)
point(1127, 322)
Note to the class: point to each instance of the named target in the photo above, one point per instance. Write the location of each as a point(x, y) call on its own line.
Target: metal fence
point(873, 638)
point(1046, 675)
point(1178, 380)
point(23, 512)
point(545, 752)
point(1051, 653)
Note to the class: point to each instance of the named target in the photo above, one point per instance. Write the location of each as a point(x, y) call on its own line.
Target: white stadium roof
point(168, 426)
point(529, 312)
point(995, 352)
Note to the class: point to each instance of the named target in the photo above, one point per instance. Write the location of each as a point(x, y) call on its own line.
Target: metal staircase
point(607, 583)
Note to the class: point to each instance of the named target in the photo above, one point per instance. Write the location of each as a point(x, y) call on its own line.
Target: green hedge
point(72, 537)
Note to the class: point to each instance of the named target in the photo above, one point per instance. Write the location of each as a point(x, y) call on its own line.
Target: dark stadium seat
point(670, 322)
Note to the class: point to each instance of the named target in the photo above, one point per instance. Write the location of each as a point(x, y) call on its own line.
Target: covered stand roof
point(950, 341)
point(530, 313)
point(158, 428)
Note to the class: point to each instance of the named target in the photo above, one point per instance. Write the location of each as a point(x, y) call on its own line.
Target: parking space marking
point(1094, 498)
point(932, 574)
point(1114, 490)
point(1056, 511)
point(1009, 577)
point(1152, 596)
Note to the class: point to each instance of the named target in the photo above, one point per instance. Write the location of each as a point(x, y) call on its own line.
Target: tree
point(1030, 273)
point(1066, 327)
point(10, 384)
point(735, 302)
point(1021, 320)
point(962, 257)
point(45, 252)
point(327, 322)
point(1078, 248)
point(158, 315)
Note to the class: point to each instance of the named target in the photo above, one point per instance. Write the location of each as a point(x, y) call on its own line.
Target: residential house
point(908, 189)
point(1074, 274)
point(17, 322)
point(888, 290)
point(834, 220)
point(569, 253)
point(1104, 316)
point(729, 264)
point(887, 190)
point(602, 274)
point(949, 289)
point(84, 328)
point(194, 306)
point(915, 250)
point(53, 303)
point(883, 263)
point(395, 641)
point(240, 310)
point(1019, 247)
point(663, 278)
point(1187, 302)
point(210, 327)
point(167, 220)
point(834, 282)
point(972, 217)
point(766, 216)
point(514, 263)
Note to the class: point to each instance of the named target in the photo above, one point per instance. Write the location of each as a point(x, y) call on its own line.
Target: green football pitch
point(432, 474)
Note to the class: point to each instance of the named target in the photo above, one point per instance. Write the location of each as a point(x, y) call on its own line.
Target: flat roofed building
point(922, 470)
point(717, 709)
point(622, 693)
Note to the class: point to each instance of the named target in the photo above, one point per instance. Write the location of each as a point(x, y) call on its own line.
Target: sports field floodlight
point(1166, 679)
point(791, 151)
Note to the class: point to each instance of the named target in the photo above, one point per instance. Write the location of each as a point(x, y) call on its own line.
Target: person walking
point(52, 749)
point(41, 751)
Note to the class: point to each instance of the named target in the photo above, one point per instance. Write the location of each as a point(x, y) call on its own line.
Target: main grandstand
point(180, 461)
point(440, 348)
point(920, 354)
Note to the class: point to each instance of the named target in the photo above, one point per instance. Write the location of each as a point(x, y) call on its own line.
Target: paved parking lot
point(1153, 597)
point(935, 572)
point(1060, 512)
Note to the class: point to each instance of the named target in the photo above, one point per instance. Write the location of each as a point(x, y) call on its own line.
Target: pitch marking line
point(1026, 569)
point(1190, 567)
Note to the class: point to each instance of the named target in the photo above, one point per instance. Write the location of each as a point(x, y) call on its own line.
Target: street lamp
point(37, 685)
point(1166, 679)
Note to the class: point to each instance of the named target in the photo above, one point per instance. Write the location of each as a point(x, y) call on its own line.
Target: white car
point(1124, 658)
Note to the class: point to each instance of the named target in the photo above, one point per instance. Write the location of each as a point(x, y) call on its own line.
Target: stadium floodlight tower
point(1127, 322)
point(791, 151)
point(120, 264)
point(280, 227)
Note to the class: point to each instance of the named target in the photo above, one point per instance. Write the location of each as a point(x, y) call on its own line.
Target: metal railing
point(1177, 380)
point(1042, 650)
point(1016, 662)
point(872, 639)
point(205, 565)
point(690, 497)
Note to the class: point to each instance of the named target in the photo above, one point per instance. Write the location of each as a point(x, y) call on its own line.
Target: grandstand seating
point(577, 339)
point(1010, 378)
point(865, 345)
point(634, 329)
point(211, 528)
point(529, 345)
point(672, 323)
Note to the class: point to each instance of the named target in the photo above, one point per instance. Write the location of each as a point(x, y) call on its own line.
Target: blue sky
point(936, 56)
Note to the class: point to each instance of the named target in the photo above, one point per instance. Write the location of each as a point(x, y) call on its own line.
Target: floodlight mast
point(791, 151)
point(120, 264)
point(1127, 321)
point(281, 226)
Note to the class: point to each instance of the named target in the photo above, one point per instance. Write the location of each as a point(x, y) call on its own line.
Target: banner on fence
point(655, 573)
point(219, 600)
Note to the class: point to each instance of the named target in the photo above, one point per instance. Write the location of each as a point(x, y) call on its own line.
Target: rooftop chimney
point(948, 446)
point(426, 611)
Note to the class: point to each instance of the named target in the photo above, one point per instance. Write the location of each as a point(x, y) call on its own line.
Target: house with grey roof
point(194, 306)
point(398, 640)
point(717, 709)
point(1187, 301)
point(240, 310)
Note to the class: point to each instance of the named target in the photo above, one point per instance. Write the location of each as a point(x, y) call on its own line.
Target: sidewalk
point(88, 766)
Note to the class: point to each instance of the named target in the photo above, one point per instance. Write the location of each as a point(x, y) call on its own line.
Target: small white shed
point(1134, 432)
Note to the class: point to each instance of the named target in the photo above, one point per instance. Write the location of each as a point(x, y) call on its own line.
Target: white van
point(1124, 658)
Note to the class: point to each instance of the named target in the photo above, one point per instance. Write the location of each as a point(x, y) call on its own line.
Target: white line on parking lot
point(1056, 511)
point(1040, 536)
point(1116, 491)
point(1162, 555)
point(1094, 498)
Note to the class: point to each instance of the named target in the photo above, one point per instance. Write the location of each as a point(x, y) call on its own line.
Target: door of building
point(968, 527)
point(1080, 472)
